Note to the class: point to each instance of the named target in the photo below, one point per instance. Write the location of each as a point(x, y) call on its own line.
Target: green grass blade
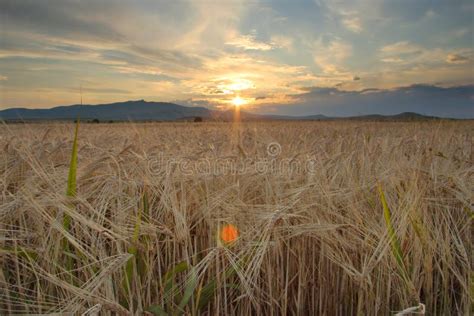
point(394, 242)
point(191, 285)
point(169, 277)
point(157, 310)
point(132, 249)
point(71, 181)
point(207, 292)
point(70, 191)
point(169, 290)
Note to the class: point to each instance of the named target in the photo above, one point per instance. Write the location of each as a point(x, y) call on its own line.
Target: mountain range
point(142, 110)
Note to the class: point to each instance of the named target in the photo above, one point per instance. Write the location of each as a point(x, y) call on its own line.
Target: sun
point(238, 101)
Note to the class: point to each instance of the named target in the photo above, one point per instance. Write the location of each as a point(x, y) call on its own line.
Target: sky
point(299, 57)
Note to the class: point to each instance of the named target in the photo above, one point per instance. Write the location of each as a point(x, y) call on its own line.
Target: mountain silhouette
point(142, 110)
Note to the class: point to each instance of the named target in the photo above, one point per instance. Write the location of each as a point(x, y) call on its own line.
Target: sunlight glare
point(238, 101)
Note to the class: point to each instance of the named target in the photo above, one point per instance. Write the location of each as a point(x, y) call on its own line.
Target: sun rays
point(238, 101)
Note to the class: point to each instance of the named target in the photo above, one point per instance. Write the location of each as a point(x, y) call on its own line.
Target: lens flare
point(229, 233)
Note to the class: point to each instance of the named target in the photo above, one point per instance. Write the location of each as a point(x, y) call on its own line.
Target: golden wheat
point(143, 226)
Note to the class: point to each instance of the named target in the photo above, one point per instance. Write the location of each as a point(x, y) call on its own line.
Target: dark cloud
point(317, 91)
point(58, 18)
point(370, 90)
point(356, 78)
point(72, 27)
point(455, 102)
point(456, 59)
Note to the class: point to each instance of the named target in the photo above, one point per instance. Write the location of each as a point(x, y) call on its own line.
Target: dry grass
point(144, 235)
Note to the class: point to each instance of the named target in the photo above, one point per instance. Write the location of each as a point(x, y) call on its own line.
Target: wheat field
point(333, 218)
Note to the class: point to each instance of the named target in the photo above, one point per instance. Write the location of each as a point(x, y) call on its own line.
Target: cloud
point(58, 18)
point(392, 60)
point(348, 13)
point(98, 90)
point(3, 78)
point(337, 50)
point(401, 48)
point(249, 42)
point(211, 50)
point(405, 53)
point(196, 102)
point(221, 78)
point(456, 59)
point(352, 23)
point(282, 41)
point(405, 63)
point(456, 101)
point(330, 56)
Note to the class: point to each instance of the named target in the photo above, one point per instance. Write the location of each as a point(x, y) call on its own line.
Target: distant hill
point(120, 111)
point(405, 116)
point(142, 110)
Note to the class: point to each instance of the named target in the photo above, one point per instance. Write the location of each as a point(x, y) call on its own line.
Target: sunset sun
point(238, 101)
